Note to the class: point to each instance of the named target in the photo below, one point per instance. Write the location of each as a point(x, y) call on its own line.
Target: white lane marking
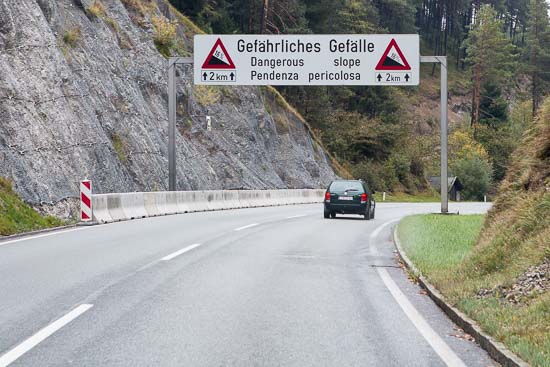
point(433, 338)
point(245, 227)
point(439, 346)
point(296, 216)
point(2, 243)
point(179, 252)
point(379, 229)
point(42, 334)
point(301, 256)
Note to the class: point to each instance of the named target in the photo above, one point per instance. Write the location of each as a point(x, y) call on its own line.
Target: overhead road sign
point(388, 59)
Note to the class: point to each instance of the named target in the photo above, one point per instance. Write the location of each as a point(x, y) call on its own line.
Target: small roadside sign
point(307, 59)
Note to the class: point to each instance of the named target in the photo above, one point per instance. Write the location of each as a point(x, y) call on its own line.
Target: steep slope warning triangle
point(218, 58)
point(393, 59)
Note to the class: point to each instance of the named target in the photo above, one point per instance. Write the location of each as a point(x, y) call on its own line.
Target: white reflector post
point(86, 201)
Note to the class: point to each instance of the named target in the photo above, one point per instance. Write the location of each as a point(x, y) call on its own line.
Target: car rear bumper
point(346, 208)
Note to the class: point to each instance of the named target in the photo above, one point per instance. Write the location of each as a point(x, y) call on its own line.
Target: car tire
point(368, 214)
point(333, 215)
point(326, 214)
point(372, 214)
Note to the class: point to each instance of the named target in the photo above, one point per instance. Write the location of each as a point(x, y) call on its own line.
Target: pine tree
point(355, 16)
point(491, 55)
point(538, 49)
point(399, 16)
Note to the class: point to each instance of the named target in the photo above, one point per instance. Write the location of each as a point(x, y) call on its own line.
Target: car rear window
point(346, 185)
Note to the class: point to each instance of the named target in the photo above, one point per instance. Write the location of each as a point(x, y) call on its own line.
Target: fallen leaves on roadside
point(461, 334)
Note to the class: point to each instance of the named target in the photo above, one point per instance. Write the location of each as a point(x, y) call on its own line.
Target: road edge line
point(497, 350)
point(439, 346)
point(46, 232)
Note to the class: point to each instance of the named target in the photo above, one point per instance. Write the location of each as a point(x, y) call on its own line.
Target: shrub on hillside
point(475, 175)
point(371, 173)
point(165, 35)
point(97, 10)
point(469, 160)
point(72, 36)
point(5, 184)
point(530, 166)
point(499, 143)
point(142, 7)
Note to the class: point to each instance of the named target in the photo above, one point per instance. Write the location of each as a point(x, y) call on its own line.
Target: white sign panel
point(388, 59)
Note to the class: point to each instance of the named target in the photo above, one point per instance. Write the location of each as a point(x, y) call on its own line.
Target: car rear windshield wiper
point(351, 190)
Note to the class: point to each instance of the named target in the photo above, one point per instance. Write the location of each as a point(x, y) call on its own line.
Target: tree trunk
point(446, 34)
point(265, 10)
point(251, 11)
point(476, 98)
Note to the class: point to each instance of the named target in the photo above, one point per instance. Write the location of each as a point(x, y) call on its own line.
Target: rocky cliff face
point(83, 94)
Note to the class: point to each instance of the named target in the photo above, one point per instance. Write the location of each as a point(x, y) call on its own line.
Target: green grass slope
point(515, 239)
point(16, 216)
point(498, 272)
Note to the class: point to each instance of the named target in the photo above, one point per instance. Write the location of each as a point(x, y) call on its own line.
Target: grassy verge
point(439, 243)
point(16, 216)
point(401, 197)
point(445, 250)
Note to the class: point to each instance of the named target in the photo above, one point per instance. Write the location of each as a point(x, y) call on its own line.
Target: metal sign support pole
point(442, 61)
point(172, 62)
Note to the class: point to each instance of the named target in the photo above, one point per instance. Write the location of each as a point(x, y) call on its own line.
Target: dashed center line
point(180, 252)
point(12, 355)
point(296, 216)
point(245, 227)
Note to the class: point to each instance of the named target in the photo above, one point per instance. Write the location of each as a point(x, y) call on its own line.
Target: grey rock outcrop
point(84, 96)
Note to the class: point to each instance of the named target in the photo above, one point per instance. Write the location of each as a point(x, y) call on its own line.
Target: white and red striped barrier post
point(86, 201)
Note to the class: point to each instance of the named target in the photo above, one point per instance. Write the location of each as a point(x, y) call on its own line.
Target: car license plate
point(345, 198)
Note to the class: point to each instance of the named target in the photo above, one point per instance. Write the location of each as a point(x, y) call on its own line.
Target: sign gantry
point(382, 59)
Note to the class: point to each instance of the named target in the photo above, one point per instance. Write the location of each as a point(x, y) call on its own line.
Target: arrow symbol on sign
point(232, 76)
point(204, 75)
point(407, 77)
point(379, 77)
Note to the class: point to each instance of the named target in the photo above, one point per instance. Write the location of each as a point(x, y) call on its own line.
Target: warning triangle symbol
point(218, 58)
point(393, 59)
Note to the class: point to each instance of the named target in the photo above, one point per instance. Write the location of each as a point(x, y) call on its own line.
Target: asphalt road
point(276, 286)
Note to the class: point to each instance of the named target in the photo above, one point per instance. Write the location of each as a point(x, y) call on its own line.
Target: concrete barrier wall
point(116, 207)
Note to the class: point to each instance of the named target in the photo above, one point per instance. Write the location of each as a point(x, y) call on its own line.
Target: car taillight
point(327, 196)
point(364, 198)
